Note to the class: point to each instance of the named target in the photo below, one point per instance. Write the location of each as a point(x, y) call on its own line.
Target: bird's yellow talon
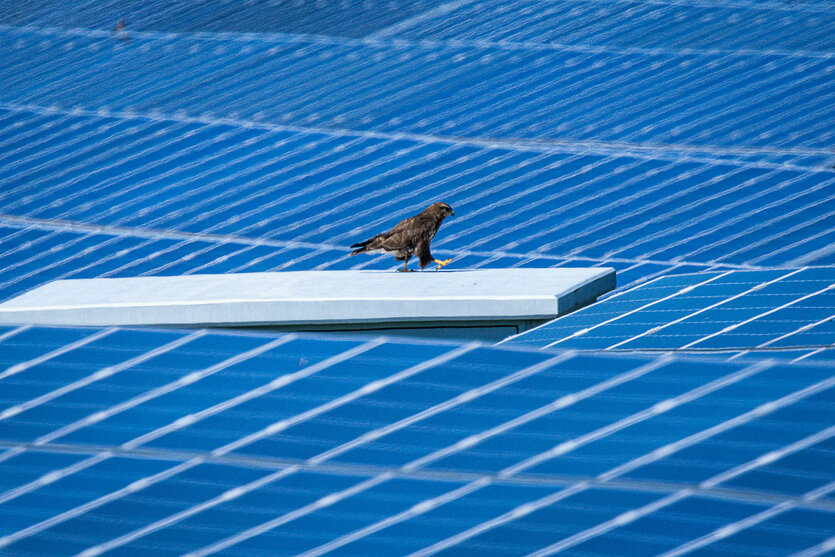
point(442, 263)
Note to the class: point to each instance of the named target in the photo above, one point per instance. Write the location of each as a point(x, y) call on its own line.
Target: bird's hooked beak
point(452, 213)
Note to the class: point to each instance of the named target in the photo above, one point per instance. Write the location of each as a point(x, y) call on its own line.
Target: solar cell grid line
point(787, 94)
point(802, 329)
point(530, 104)
point(113, 188)
point(802, 241)
point(146, 90)
point(539, 164)
point(793, 118)
point(80, 156)
point(598, 88)
point(183, 381)
point(168, 188)
point(598, 214)
point(657, 454)
point(420, 508)
point(770, 209)
point(57, 66)
point(20, 238)
point(661, 327)
point(822, 548)
point(636, 514)
point(23, 366)
point(765, 224)
point(345, 175)
point(377, 76)
point(76, 270)
point(264, 180)
point(704, 98)
point(175, 159)
point(685, 290)
point(716, 122)
point(420, 87)
point(511, 90)
point(732, 218)
point(562, 402)
point(224, 59)
point(190, 191)
point(544, 185)
point(33, 259)
point(306, 192)
point(734, 326)
point(77, 254)
point(24, 159)
point(749, 522)
point(618, 236)
point(331, 453)
point(114, 56)
point(294, 64)
point(479, 71)
point(223, 258)
point(447, 175)
point(777, 235)
point(102, 373)
point(244, 94)
point(605, 218)
point(149, 146)
point(64, 119)
point(24, 134)
point(15, 331)
point(101, 415)
point(668, 71)
point(274, 428)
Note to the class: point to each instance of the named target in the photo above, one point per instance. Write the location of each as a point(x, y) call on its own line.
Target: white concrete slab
point(313, 298)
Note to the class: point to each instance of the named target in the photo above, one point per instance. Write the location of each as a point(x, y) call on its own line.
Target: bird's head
point(440, 209)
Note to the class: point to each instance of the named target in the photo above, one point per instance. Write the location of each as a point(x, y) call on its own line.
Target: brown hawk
point(410, 237)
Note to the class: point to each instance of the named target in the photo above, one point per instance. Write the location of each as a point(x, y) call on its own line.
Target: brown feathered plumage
point(410, 237)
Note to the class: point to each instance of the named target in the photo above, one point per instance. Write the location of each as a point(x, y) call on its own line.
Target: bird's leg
point(442, 263)
point(405, 268)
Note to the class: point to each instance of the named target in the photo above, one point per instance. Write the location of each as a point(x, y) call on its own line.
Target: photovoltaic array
point(728, 311)
point(160, 442)
point(321, 139)
point(688, 144)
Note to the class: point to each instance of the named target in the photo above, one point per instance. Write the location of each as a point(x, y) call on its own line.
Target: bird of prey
point(119, 30)
point(410, 237)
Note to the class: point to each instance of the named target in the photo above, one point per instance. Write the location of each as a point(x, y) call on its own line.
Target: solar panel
point(659, 138)
point(769, 26)
point(199, 443)
point(34, 252)
point(348, 17)
point(771, 103)
point(598, 207)
point(734, 310)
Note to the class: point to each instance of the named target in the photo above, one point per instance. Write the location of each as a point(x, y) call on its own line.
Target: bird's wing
point(402, 236)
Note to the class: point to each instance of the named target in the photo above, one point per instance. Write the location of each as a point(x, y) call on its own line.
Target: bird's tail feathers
point(361, 247)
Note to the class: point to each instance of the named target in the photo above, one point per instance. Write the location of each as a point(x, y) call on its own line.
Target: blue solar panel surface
point(730, 310)
point(546, 143)
point(172, 442)
point(656, 137)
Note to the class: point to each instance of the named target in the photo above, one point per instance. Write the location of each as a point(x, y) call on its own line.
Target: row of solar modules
point(168, 442)
point(333, 189)
point(786, 26)
point(351, 18)
point(34, 253)
point(781, 104)
point(740, 26)
point(732, 310)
